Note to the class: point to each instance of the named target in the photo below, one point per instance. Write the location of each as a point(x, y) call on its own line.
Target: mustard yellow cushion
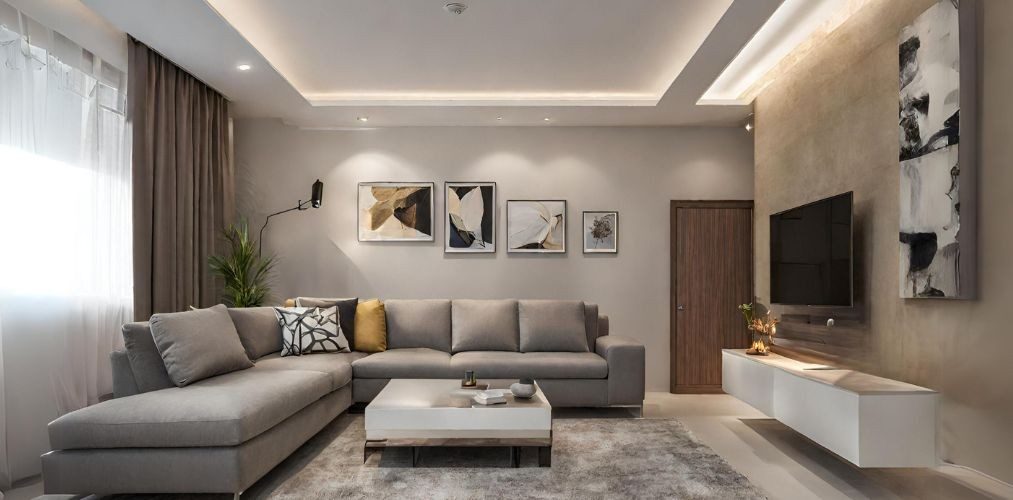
point(370, 326)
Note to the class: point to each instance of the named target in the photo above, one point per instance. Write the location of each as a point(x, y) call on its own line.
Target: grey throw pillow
point(198, 344)
point(258, 330)
point(552, 326)
point(145, 361)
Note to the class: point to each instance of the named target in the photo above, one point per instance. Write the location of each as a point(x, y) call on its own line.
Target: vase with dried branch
point(763, 330)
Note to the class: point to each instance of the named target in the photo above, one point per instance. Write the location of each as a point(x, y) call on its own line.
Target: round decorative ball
point(524, 389)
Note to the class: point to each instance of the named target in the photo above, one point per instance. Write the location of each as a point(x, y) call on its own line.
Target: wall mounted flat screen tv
point(811, 254)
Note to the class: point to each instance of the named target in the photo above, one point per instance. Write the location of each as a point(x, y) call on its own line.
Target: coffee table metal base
point(543, 445)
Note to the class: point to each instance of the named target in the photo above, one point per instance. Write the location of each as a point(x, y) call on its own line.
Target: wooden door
point(712, 273)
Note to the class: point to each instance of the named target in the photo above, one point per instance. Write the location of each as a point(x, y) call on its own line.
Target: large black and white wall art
point(470, 217)
point(601, 232)
point(933, 237)
point(536, 226)
point(395, 211)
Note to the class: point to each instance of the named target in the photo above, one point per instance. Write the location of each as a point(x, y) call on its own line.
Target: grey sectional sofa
point(221, 434)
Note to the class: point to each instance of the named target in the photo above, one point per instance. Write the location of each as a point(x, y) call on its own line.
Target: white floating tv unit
point(867, 420)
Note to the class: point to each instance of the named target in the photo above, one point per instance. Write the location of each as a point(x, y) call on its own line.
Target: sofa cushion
point(145, 361)
point(484, 325)
point(591, 324)
point(418, 323)
point(227, 410)
point(552, 326)
point(198, 344)
point(412, 362)
point(310, 329)
point(561, 365)
point(370, 327)
point(258, 330)
point(337, 365)
point(346, 312)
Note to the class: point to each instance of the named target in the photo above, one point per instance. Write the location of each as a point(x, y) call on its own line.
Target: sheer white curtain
point(65, 243)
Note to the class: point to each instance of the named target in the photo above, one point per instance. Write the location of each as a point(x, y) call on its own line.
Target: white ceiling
point(324, 63)
point(532, 52)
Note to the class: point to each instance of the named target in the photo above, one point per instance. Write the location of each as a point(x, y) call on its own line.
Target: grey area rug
point(591, 458)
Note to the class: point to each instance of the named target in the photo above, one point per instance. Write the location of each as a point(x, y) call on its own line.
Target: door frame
point(675, 205)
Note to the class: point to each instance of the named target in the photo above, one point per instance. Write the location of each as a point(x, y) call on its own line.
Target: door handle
point(680, 308)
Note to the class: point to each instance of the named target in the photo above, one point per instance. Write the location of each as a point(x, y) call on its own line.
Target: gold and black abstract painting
point(396, 211)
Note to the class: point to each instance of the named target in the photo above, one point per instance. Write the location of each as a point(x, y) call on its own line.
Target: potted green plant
point(245, 273)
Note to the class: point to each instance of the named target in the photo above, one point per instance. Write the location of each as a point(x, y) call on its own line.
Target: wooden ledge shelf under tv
point(867, 420)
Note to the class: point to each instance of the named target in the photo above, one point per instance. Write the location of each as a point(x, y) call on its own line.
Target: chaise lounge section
point(222, 434)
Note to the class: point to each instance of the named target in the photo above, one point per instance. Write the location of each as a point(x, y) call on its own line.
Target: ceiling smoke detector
point(455, 8)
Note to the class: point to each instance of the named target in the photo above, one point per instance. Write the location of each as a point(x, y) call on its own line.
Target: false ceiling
point(331, 63)
point(517, 52)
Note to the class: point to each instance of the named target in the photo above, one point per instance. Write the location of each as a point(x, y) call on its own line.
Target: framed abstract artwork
point(937, 164)
point(395, 211)
point(470, 217)
point(600, 232)
point(536, 226)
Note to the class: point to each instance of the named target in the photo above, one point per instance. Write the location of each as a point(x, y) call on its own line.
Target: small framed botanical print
point(600, 232)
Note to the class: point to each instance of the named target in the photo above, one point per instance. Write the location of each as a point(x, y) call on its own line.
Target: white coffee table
point(420, 413)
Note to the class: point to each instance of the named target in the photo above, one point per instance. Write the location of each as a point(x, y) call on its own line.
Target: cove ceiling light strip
point(490, 99)
point(791, 24)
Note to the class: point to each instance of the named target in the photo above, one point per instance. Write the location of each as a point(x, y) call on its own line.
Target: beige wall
point(830, 126)
point(633, 170)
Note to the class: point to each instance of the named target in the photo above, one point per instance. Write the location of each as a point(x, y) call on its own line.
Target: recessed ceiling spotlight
point(244, 67)
point(363, 119)
point(546, 118)
point(455, 8)
point(499, 118)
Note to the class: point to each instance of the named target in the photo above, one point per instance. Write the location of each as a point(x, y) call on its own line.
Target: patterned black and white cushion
point(310, 329)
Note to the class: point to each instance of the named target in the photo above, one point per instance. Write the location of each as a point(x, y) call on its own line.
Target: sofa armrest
point(625, 358)
point(124, 383)
point(603, 325)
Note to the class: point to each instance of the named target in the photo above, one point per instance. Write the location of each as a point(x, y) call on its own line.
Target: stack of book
point(490, 397)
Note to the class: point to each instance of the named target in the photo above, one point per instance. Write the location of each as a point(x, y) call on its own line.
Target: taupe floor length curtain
point(183, 187)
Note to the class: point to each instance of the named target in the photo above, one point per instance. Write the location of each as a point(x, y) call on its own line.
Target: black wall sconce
point(316, 199)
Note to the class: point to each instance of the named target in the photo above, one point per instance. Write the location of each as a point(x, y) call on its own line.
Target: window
point(65, 240)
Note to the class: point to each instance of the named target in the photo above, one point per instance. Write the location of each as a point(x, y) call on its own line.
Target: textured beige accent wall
point(829, 125)
point(633, 170)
